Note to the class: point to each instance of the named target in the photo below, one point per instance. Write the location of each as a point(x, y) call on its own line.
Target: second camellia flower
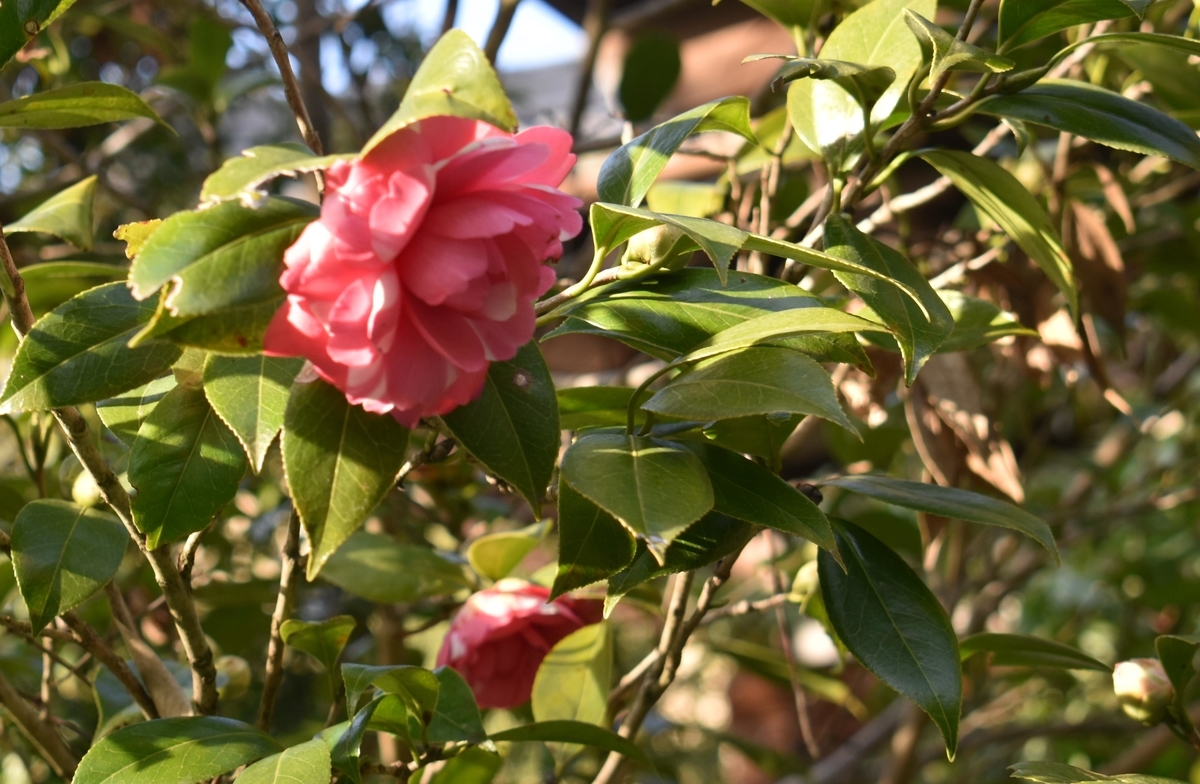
point(425, 263)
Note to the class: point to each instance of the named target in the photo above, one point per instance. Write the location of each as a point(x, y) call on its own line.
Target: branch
point(87, 638)
point(504, 17)
point(289, 578)
point(595, 23)
point(49, 743)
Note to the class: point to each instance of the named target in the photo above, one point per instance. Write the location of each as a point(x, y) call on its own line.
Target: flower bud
point(233, 677)
point(664, 246)
point(1143, 689)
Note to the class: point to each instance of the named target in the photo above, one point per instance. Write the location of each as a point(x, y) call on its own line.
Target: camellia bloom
point(1143, 689)
point(499, 638)
point(425, 263)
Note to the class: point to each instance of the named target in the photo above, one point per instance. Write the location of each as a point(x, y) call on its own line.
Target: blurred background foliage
point(1101, 438)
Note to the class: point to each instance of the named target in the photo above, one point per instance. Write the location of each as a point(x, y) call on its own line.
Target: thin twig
point(785, 640)
point(595, 23)
point(495, 39)
point(87, 638)
point(289, 579)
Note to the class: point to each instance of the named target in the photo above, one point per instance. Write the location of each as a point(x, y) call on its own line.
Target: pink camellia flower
point(499, 638)
point(425, 262)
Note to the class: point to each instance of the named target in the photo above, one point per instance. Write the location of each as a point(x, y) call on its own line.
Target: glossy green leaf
point(761, 436)
point(789, 13)
point(418, 687)
point(473, 766)
point(185, 466)
point(380, 569)
point(495, 555)
point(512, 427)
point(744, 490)
point(632, 169)
point(683, 197)
point(574, 679)
point(230, 330)
point(62, 554)
point(977, 322)
point(1025, 21)
point(1101, 115)
point(648, 74)
point(344, 753)
point(1058, 773)
point(950, 502)
point(324, 640)
point(250, 394)
point(1000, 196)
point(778, 329)
point(894, 625)
point(340, 460)
point(77, 106)
point(668, 315)
point(124, 414)
point(21, 22)
point(756, 380)
point(1178, 657)
point(223, 257)
point(828, 118)
point(51, 283)
point(592, 545)
point(308, 762)
point(78, 353)
point(240, 177)
point(1131, 40)
point(456, 717)
point(583, 407)
point(711, 539)
point(67, 215)
point(919, 327)
point(573, 732)
point(655, 488)
point(865, 83)
point(181, 751)
point(945, 52)
point(455, 78)
point(1020, 650)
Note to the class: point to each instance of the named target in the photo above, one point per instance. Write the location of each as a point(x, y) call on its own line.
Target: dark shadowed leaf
point(62, 554)
point(512, 427)
point(592, 545)
point(456, 717)
point(573, 732)
point(324, 640)
point(185, 465)
point(894, 625)
point(378, 568)
point(648, 75)
point(344, 752)
point(1020, 650)
point(20, 22)
point(583, 407)
point(1024, 21)
point(340, 461)
point(1178, 657)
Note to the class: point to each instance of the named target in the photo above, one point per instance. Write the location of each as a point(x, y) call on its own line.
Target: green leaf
point(51, 283)
point(78, 354)
point(789, 13)
point(379, 569)
point(865, 83)
point(250, 394)
point(340, 461)
point(744, 490)
point(919, 326)
point(223, 257)
point(1101, 115)
point(761, 436)
point(683, 197)
point(574, 679)
point(181, 751)
point(894, 625)
point(77, 106)
point(648, 74)
point(418, 687)
point(668, 315)
point(573, 732)
point(712, 538)
point(62, 554)
point(1020, 650)
point(233, 330)
point(630, 171)
point(455, 78)
point(512, 427)
point(345, 750)
point(778, 329)
point(583, 407)
point(828, 118)
point(324, 640)
point(756, 380)
point(977, 322)
point(456, 717)
point(67, 215)
point(240, 177)
point(1058, 773)
point(297, 765)
point(495, 555)
point(20, 22)
point(1000, 196)
point(946, 53)
point(1025, 21)
point(473, 766)
point(1178, 656)
point(185, 465)
point(592, 545)
point(135, 235)
point(655, 488)
point(949, 502)
point(1187, 46)
point(125, 414)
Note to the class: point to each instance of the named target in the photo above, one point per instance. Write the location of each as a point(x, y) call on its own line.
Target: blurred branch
point(87, 638)
point(450, 16)
point(504, 17)
point(595, 24)
point(785, 643)
point(44, 736)
point(289, 577)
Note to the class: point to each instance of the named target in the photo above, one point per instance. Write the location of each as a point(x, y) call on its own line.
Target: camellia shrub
point(295, 495)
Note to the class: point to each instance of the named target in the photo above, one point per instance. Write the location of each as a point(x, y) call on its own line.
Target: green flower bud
point(1143, 689)
point(664, 246)
point(233, 677)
